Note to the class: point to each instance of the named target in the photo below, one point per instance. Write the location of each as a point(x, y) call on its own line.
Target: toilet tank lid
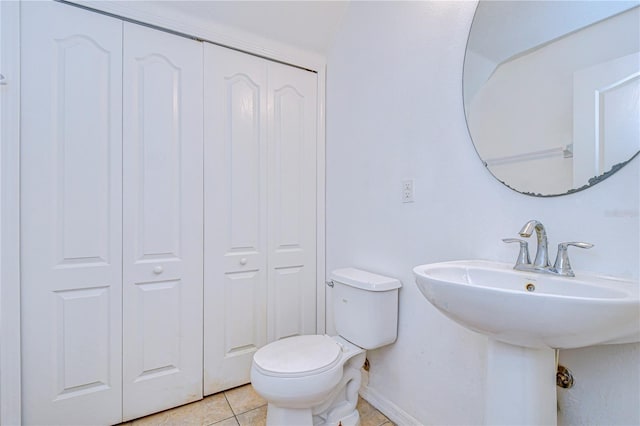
point(364, 280)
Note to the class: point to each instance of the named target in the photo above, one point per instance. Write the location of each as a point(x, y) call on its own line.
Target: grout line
point(252, 409)
point(224, 393)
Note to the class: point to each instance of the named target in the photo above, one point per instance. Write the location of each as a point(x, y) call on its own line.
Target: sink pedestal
point(521, 386)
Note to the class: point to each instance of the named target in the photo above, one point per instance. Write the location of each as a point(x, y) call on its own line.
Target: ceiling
point(308, 25)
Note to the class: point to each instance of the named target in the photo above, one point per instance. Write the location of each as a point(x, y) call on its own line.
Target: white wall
point(394, 111)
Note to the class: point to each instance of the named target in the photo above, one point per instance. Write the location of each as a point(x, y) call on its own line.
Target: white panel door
point(292, 106)
point(71, 226)
point(235, 211)
point(163, 224)
point(606, 116)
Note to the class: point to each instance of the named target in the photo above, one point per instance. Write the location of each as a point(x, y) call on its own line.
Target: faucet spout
point(542, 252)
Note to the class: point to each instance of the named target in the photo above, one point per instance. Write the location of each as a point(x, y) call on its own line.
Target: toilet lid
point(298, 355)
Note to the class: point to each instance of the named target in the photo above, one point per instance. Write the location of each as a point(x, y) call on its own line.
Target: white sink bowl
point(556, 312)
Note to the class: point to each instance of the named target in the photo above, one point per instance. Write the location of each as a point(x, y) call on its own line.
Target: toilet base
point(288, 416)
point(352, 419)
point(303, 416)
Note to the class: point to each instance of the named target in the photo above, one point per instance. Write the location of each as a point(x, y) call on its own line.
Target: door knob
point(243, 261)
point(158, 269)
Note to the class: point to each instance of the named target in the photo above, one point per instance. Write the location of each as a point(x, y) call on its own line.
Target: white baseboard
point(386, 407)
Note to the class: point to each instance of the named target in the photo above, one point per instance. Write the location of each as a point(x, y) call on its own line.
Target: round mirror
point(552, 91)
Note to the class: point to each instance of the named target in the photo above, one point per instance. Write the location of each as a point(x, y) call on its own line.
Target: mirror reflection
point(552, 91)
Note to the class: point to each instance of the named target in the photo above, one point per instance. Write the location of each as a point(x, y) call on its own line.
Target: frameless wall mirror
point(552, 91)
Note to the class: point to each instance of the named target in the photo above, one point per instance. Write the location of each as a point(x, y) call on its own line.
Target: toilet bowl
point(314, 379)
point(298, 374)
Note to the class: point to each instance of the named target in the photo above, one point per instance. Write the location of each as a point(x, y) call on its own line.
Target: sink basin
point(530, 309)
point(527, 316)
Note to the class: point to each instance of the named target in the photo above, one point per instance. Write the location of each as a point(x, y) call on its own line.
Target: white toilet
point(314, 379)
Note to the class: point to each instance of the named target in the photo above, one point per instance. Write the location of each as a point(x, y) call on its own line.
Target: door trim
point(10, 383)
point(320, 205)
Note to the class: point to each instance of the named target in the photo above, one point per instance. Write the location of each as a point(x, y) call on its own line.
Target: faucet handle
point(523, 255)
point(562, 265)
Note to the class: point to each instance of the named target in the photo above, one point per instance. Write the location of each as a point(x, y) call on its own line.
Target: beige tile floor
point(241, 406)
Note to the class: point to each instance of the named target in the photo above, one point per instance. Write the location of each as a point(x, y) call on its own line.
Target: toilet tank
point(365, 307)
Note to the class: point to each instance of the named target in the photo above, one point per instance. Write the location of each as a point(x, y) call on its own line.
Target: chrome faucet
point(541, 261)
point(542, 252)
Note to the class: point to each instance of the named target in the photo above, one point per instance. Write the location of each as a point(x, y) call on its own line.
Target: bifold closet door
point(260, 209)
point(163, 223)
point(235, 289)
point(292, 114)
point(71, 226)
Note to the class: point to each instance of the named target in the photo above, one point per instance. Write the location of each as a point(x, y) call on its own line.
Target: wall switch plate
point(407, 191)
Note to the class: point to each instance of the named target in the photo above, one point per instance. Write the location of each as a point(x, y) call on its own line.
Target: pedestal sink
point(527, 316)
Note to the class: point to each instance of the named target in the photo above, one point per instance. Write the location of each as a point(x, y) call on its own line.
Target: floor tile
point(183, 415)
point(210, 410)
point(228, 422)
point(241, 406)
point(215, 408)
point(255, 417)
point(369, 416)
point(243, 399)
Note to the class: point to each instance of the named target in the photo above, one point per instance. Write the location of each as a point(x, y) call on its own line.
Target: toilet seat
point(298, 356)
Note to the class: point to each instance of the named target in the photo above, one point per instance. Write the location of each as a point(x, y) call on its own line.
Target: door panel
point(289, 310)
point(606, 116)
point(292, 201)
point(83, 351)
point(242, 326)
point(162, 252)
point(235, 211)
point(71, 229)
